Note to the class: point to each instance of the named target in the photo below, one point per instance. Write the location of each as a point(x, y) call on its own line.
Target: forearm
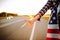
point(45, 8)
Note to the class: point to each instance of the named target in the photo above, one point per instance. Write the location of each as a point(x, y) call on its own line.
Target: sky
point(22, 7)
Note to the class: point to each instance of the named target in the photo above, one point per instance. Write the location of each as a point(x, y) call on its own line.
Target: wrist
point(39, 14)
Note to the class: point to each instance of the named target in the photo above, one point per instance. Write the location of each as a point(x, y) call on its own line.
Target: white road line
point(23, 25)
point(33, 29)
point(10, 23)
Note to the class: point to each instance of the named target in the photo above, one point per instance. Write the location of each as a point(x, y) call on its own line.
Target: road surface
point(13, 29)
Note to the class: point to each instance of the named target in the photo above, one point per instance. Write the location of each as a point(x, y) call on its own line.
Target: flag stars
point(51, 21)
point(54, 3)
point(54, 18)
point(54, 11)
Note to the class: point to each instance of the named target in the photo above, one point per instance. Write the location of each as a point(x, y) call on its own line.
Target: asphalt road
point(13, 29)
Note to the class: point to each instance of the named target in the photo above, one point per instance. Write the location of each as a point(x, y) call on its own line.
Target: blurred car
point(10, 17)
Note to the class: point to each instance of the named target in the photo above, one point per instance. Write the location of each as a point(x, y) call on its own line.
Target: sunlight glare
point(23, 7)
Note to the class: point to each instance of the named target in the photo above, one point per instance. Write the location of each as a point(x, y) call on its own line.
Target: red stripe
point(52, 39)
point(53, 30)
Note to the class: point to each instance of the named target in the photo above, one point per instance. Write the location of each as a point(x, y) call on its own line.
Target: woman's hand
point(37, 17)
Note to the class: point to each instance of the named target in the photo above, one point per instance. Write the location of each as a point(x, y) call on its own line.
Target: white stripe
point(32, 33)
point(52, 35)
point(23, 25)
point(53, 26)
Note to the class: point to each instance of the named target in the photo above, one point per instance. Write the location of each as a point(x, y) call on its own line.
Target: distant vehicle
point(10, 17)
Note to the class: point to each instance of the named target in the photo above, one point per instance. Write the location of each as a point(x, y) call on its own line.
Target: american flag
point(53, 27)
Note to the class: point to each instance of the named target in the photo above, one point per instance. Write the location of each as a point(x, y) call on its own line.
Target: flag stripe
point(53, 31)
point(52, 39)
point(53, 26)
point(53, 35)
